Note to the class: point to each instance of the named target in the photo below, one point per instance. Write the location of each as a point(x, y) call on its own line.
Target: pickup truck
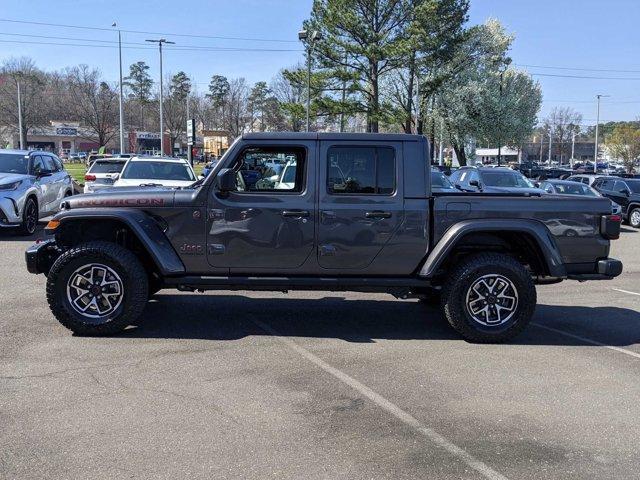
point(356, 213)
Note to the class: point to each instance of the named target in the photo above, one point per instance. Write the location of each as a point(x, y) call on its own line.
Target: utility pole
point(315, 36)
point(160, 41)
point(344, 97)
point(441, 146)
point(573, 148)
point(595, 155)
point(120, 103)
point(22, 145)
point(550, 145)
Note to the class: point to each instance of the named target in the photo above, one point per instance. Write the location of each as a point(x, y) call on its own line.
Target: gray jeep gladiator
point(321, 211)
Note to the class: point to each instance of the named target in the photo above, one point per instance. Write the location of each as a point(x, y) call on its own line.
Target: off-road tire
point(29, 222)
point(122, 261)
point(460, 282)
point(632, 222)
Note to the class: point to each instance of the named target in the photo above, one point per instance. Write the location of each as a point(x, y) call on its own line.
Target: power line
point(579, 69)
point(142, 32)
point(583, 76)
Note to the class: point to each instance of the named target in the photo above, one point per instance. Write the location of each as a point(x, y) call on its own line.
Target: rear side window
point(361, 170)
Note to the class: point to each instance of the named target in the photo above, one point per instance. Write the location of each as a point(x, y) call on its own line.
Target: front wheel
point(97, 288)
point(489, 298)
point(30, 217)
point(634, 218)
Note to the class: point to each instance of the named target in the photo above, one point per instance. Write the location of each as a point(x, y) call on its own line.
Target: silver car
point(32, 185)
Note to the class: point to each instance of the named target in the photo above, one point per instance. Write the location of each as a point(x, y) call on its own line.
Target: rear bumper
point(604, 269)
point(40, 256)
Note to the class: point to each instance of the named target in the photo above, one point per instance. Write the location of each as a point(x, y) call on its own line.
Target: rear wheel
point(97, 288)
point(30, 217)
point(634, 217)
point(489, 298)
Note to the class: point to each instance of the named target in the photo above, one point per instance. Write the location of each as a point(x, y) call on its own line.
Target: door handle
point(295, 213)
point(378, 214)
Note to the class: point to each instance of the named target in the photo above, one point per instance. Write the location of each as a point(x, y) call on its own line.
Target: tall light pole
point(311, 40)
point(503, 69)
point(573, 148)
point(595, 155)
point(120, 107)
point(160, 41)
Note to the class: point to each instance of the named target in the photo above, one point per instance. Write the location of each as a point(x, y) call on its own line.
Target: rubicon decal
point(119, 202)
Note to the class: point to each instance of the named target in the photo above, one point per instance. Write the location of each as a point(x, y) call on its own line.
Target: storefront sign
point(67, 131)
point(147, 136)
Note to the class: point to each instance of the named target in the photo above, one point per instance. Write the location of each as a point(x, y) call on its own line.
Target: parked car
point(492, 180)
point(359, 216)
point(32, 185)
point(626, 193)
point(103, 173)
point(208, 167)
point(92, 157)
point(156, 171)
point(567, 187)
point(587, 179)
point(440, 183)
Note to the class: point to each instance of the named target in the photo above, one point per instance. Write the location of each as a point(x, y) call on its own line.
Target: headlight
point(11, 186)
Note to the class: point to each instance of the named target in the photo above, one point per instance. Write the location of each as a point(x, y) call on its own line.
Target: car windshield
point(440, 180)
point(104, 166)
point(505, 179)
point(158, 170)
point(575, 189)
point(634, 185)
point(14, 163)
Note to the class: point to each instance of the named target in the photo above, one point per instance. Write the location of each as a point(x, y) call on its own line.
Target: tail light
point(610, 226)
point(89, 178)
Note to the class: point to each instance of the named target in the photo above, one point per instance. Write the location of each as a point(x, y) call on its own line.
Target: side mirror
point(536, 184)
point(226, 180)
point(474, 183)
point(625, 192)
point(43, 173)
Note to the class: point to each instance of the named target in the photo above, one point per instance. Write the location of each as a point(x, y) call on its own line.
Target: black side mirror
point(43, 173)
point(474, 183)
point(226, 180)
point(625, 192)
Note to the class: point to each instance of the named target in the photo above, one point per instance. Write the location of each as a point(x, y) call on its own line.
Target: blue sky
point(593, 34)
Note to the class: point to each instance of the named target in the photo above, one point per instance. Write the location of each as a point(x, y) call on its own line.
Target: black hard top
point(354, 137)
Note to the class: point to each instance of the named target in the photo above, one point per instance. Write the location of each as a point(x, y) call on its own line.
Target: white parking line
point(626, 291)
point(587, 340)
point(391, 408)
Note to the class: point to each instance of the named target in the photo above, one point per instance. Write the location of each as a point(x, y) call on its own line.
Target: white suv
point(103, 173)
point(166, 172)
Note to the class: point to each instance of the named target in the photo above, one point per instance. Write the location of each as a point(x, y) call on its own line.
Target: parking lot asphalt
point(321, 386)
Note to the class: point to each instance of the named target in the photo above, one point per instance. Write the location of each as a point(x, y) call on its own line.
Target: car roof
point(488, 169)
point(16, 151)
point(138, 158)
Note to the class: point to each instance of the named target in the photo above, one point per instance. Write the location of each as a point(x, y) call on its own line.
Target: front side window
point(49, 164)
point(269, 169)
point(506, 179)
point(361, 170)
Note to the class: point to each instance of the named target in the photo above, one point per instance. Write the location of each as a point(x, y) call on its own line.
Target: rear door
point(361, 203)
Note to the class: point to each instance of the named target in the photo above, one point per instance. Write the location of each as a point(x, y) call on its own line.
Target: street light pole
point(573, 148)
point(160, 41)
point(120, 103)
point(595, 155)
point(315, 36)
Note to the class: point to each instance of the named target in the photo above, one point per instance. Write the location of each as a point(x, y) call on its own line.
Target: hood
point(149, 197)
point(11, 177)
point(133, 182)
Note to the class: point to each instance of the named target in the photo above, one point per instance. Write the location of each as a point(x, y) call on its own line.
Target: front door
point(360, 203)
point(268, 223)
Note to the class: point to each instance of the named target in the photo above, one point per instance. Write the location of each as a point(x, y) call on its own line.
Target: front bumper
point(10, 215)
point(605, 269)
point(40, 256)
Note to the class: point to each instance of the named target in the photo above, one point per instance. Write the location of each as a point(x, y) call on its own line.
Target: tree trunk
point(460, 154)
point(408, 123)
point(374, 105)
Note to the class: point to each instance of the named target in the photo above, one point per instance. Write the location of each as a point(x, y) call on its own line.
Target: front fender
point(456, 232)
point(143, 226)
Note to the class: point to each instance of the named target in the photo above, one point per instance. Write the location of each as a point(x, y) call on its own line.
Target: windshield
point(575, 189)
point(14, 163)
point(634, 185)
point(152, 170)
point(440, 180)
point(101, 166)
point(505, 179)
